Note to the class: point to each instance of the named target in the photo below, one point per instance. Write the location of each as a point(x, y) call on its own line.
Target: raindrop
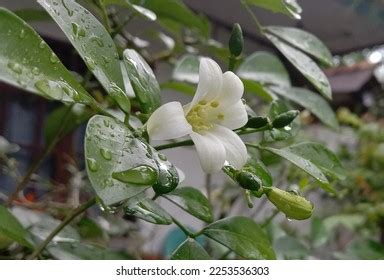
point(90, 63)
point(15, 67)
point(22, 34)
point(106, 154)
point(75, 28)
point(53, 58)
point(108, 182)
point(42, 45)
point(98, 41)
point(168, 178)
point(92, 165)
point(140, 175)
point(82, 32)
point(162, 156)
point(69, 11)
point(35, 71)
point(107, 123)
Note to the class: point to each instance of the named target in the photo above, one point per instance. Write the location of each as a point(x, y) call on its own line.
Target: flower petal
point(232, 89)
point(210, 80)
point(168, 122)
point(236, 152)
point(210, 150)
point(235, 116)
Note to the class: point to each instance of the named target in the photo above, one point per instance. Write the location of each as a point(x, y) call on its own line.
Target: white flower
point(215, 110)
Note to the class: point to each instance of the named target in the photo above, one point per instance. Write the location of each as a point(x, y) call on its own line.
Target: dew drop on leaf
point(15, 67)
point(92, 164)
point(140, 175)
point(106, 154)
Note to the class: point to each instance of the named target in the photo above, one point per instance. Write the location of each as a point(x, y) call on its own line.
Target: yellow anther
point(203, 102)
point(215, 104)
point(220, 116)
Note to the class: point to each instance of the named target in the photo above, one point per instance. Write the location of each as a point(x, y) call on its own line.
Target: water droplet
point(168, 178)
point(42, 45)
point(35, 71)
point(98, 41)
point(108, 182)
point(162, 156)
point(90, 63)
point(105, 59)
point(140, 175)
point(75, 28)
point(92, 164)
point(82, 32)
point(69, 11)
point(22, 83)
point(22, 34)
point(53, 58)
point(15, 67)
point(107, 123)
point(106, 154)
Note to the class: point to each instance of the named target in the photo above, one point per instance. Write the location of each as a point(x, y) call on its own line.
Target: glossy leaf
point(310, 101)
point(288, 7)
point(265, 68)
point(322, 157)
point(187, 69)
point(135, 8)
point(64, 120)
point(243, 236)
point(190, 250)
point(258, 90)
point(304, 64)
point(93, 43)
point(147, 210)
point(176, 12)
point(26, 61)
point(192, 201)
point(304, 41)
point(110, 147)
point(11, 228)
point(143, 81)
point(300, 162)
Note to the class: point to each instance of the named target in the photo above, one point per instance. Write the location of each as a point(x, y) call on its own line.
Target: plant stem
point(232, 62)
point(254, 18)
point(174, 144)
point(76, 212)
point(183, 228)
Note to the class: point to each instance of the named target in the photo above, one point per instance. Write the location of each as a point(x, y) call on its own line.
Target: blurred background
point(352, 29)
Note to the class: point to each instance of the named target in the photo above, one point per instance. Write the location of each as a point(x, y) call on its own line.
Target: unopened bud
point(236, 40)
point(285, 119)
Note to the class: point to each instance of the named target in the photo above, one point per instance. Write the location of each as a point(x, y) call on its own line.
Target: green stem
point(183, 228)
point(76, 212)
point(257, 146)
point(36, 164)
point(254, 18)
point(174, 145)
point(232, 63)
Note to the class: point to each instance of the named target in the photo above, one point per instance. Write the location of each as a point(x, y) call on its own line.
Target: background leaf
point(12, 229)
point(192, 201)
point(290, 8)
point(304, 41)
point(310, 101)
point(27, 62)
point(265, 68)
point(304, 64)
point(190, 250)
point(143, 81)
point(187, 69)
point(93, 43)
point(243, 236)
point(136, 8)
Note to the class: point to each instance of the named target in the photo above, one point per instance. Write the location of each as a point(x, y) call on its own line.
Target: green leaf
point(322, 157)
point(310, 101)
point(177, 12)
point(82, 251)
point(258, 90)
point(135, 8)
point(26, 61)
point(179, 87)
point(31, 14)
point(190, 250)
point(147, 210)
point(187, 69)
point(65, 119)
point(192, 201)
point(265, 68)
point(110, 147)
point(243, 236)
point(304, 164)
point(304, 41)
point(143, 81)
point(287, 7)
point(10, 228)
point(304, 64)
point(93, 43)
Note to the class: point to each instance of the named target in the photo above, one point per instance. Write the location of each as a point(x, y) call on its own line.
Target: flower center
point(202, 116)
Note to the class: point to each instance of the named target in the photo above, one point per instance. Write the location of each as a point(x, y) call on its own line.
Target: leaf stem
point(76, 212)
point(254, 18)
point(183, 228)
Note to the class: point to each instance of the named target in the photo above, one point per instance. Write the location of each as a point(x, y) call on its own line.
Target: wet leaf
point(287, 7)
point(190, 250)
point(187, 69)
point(148, 14)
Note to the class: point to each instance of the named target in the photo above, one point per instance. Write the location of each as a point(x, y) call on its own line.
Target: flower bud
point(285, 119)
point(248, 180)
point(257, 122)
point(293, 206)
point(236, 40)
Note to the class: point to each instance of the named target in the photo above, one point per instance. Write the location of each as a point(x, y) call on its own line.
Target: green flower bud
point(285, 119)
point(236, 41)
point(293, 206)
point(248, 180)
point(257, 122)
